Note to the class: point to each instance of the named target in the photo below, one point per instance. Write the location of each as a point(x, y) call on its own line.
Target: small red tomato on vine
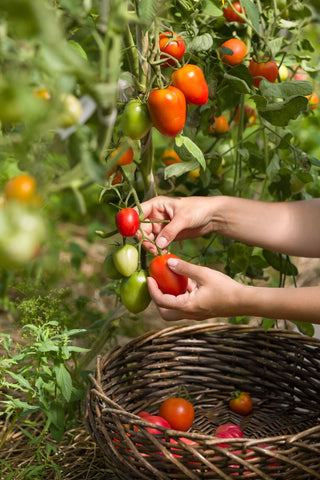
point(313, 101)
point(191, 81)
point(127, 222)
point(170, 156)
point(178, 412)
point(167, 280)
point(172, 44)
point(239, 51)
point(168, 110)
point(221, 125)
point(263, 69)
point(241, 402)
point(21, 187)
point(230, 15)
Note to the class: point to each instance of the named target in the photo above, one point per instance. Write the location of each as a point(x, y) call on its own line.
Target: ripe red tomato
point(267, 70)
point(190, 80)
point(228, 430)
point(230, 15)
point(221, 125)
point(157, 420)
point(313, 101)
point(172, 44)
point(170, 156)
point(178, 412)
point(167, 280)
point(241, 402)
point(168, 110)
point(238, 48)
point(127, 222)
point(21, 187)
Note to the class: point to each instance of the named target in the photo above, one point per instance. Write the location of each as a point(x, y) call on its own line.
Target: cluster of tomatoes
point(22, 228)
point(124, 264)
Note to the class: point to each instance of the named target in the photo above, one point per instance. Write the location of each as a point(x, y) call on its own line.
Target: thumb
point(195, 272)
point(170, 232)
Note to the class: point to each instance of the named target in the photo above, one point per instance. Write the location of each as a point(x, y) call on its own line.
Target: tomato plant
point(232, 16)
point(127, 222)
point(21, 187)
point(263, 69)
point(238, 51)
point(135, 120)
point(241, 402)
point(134, 292)
point(171, 44)
point(191, 81)
point(167, 280)
point(178, 412)
point(167, 107)
point(126, 260)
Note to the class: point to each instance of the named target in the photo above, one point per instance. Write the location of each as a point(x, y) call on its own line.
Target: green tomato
point(134, 292)
point(71, 110)
point(136, 121)
point(126, 260)
point(109, 268)
point(283, 73)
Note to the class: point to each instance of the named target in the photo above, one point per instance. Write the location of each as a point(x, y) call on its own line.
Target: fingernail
point(172, 262)
point(161, 242)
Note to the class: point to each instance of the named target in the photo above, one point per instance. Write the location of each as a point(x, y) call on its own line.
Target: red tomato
point(21, 187)
point(313, 101)
point(168, 110)
point(267, 70)
point(190, 80)
point(170, 156)
point(178, 412)
point(221, 125)
point(144, 414)
point(238, 48)
point(241, 402)
point(172, 44)
point(228, 430)
point(230, 15)
point(127, 222)
point(167, 280)
point(157, 420)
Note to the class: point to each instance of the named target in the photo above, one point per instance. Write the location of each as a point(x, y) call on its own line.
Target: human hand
point(209, 294)
point(174, 218)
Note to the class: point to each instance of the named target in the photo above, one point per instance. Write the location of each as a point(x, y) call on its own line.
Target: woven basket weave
point(280, 369)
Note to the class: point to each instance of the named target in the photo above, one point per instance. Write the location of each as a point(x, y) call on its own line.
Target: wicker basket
point(280, 369)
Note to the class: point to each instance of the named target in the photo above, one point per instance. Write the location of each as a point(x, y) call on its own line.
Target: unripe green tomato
point(126, 260)
point(296, 184)
point(71, 110)
point(110, 269)
point(134, 292)
point(135, 120)
point(283, 73)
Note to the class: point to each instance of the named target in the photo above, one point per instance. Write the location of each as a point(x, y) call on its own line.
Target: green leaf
point(209, 8)
point(305, 328)
point(201, 43)
point(285, 89)
point(188, 150)
point(268, 323)
point(314, 161)
point(280, 113)
point(252, 13)
point(23, 382)
point(280, 262)
point(236, 84)
point(178, 169)
point(78, 49)
point(64, 380)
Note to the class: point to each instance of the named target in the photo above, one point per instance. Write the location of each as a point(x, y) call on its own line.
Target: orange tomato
point(21, 187)
point(239, 50)
point(313, 101)
point(170, 156)
point(221, 125)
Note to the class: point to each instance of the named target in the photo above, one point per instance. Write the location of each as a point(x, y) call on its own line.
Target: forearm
point(292, 228)
point(297, 304)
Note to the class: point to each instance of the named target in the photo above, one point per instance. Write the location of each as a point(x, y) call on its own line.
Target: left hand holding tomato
point(209, 294)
